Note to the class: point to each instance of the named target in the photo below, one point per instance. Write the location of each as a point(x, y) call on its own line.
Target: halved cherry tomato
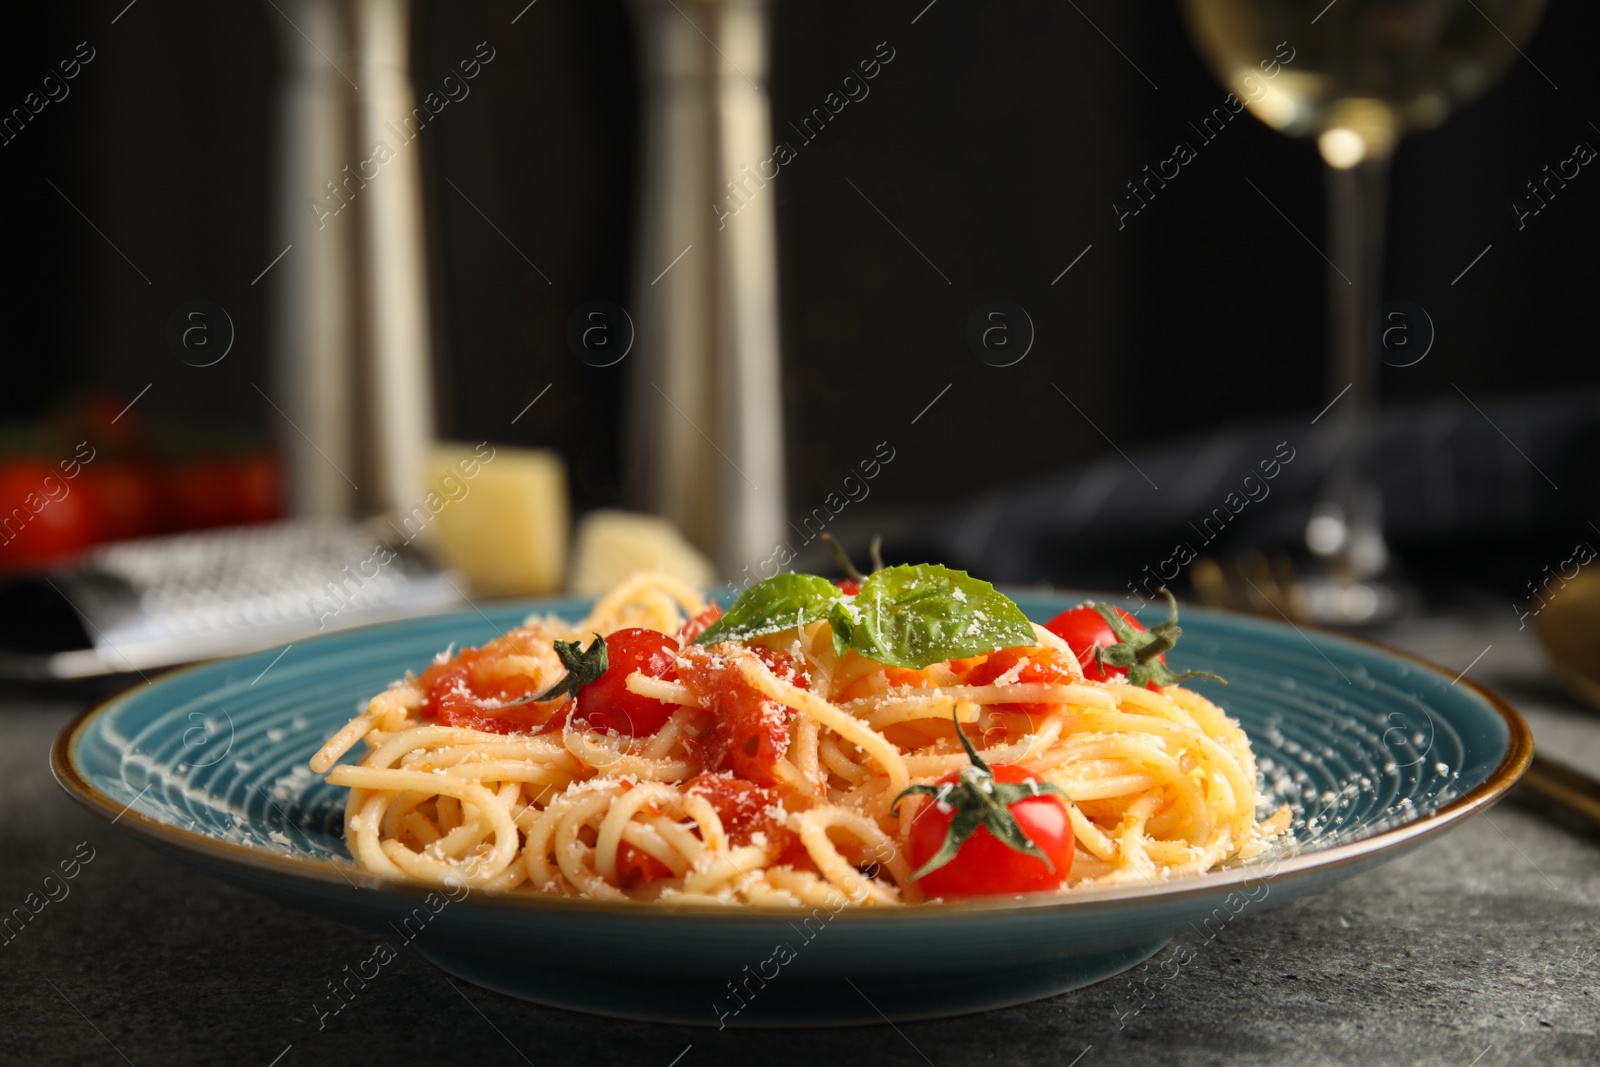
point(483, 677)
point(961, 668)
point(784, 666)
point(558, 721)
point(635, 866)
point(986, 866)
point(750, 733)
point(454, 701)
point(699, 624)
point(1082, 628)
point(746, 809)
point(469, 691)
point(608, 704)
point(906, 676)
point(1038, 665)
point(796, 855)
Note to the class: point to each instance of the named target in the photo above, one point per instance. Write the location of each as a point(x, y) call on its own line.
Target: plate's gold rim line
point(1519, 754)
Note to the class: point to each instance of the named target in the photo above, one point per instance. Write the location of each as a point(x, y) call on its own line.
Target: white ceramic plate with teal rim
point(1374, 750)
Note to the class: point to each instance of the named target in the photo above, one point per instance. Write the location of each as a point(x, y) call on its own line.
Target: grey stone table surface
point(1475, 950)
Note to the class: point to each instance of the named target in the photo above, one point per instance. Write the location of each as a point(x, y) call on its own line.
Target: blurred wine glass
point(1356, 75)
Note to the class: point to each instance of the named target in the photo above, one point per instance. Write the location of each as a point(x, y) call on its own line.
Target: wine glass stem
point(1347, 521)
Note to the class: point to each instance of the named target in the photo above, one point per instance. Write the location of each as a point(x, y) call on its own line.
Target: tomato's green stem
point(979, 800)
point(1139, 652)
point(842, 558)
point(584, 665)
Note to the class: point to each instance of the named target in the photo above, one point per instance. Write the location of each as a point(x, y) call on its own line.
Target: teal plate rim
point(211, 851)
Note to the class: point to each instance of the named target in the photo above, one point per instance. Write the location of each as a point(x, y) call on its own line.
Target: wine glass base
point(1282, 582)
point(1333, 601)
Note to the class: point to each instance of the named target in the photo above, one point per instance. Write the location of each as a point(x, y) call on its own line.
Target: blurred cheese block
point(501, 518)
point(612, 545)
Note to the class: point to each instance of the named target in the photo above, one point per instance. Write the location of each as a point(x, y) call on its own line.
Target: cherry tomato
point(128, 495)
point(198, 493)
point(608, 704)
point(985, 865)
point(225, 491)
point(1082, 628)
point(848, 586)
point(256, 489)
point(45, 517)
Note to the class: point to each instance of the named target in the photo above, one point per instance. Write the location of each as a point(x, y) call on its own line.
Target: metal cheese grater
point(154, 603)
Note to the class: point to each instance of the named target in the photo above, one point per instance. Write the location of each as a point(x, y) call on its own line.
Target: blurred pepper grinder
point(351, 325)
point(707, 414)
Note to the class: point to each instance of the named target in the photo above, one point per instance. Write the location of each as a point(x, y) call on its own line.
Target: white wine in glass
point(1356, 75)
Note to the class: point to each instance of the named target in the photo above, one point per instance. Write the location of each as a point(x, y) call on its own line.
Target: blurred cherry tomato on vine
point(45, 517)
point(127, 494)
point(227, 491)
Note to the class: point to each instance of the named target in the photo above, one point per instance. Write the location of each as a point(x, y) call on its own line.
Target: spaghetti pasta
point(773, 776)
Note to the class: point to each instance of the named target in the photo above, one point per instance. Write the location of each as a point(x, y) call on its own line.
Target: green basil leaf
point(913, 616)
point(842, 619)
point(782, 602)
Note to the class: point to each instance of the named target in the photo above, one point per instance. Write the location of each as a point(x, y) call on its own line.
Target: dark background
point(996, 139)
